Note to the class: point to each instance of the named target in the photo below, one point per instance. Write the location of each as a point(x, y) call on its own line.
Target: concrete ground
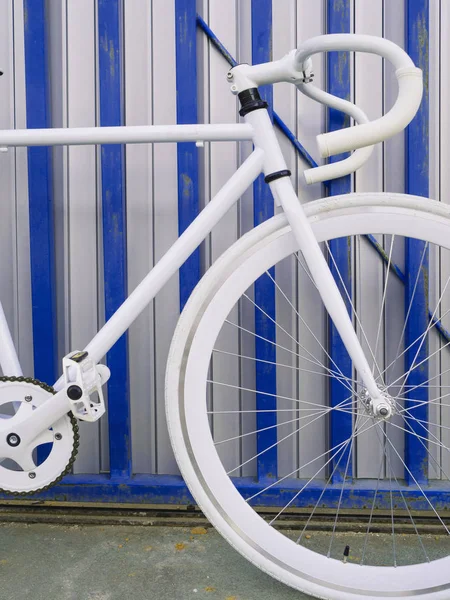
point(79, 562)
point(91, 562)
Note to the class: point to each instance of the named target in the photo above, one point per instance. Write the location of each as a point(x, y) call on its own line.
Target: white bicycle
point(201, 402)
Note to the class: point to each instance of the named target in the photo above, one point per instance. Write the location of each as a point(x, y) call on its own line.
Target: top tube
point(140, 134)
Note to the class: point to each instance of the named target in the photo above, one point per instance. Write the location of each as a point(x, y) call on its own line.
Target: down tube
point(175, 257)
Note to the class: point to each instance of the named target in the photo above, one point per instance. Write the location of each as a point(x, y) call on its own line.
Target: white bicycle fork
point(285, 196)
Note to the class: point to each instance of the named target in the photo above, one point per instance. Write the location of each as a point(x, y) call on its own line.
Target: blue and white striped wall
point(100, 217)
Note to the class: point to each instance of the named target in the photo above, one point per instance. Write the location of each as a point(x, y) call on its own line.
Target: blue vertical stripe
point(417, 182)
point(263, 207)
point(114, 230)
point(42, 257)
point(187, 154)
point(338, 84)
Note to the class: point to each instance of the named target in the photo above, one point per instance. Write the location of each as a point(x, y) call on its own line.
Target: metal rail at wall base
point(177, 515)
point(120, 485)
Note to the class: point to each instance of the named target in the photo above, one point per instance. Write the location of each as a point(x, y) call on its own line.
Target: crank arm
point(76, 397)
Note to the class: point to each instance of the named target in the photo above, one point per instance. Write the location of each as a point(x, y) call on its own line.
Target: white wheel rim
point(255, 537)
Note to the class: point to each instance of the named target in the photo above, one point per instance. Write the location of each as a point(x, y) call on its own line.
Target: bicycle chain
point(76, 438)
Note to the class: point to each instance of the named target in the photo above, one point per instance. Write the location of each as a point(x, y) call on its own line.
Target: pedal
point(83, 381)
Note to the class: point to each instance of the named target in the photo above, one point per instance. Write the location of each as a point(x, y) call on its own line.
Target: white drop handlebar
point(347, 165)
point(408, 100)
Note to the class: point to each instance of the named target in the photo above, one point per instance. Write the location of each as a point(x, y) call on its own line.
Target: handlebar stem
point(244, 77)
point(295, 68)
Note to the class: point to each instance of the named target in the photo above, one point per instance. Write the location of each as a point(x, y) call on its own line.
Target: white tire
point(198, 327)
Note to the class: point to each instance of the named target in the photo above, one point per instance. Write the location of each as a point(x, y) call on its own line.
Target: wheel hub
point(383, 410)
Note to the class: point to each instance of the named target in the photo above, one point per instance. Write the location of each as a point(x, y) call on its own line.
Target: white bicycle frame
point(266, 158)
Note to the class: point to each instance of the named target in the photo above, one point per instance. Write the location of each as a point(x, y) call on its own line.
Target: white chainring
point(22, 472)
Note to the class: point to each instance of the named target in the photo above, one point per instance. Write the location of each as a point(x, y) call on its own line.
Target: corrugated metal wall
point(14, 228)
point(149, 92)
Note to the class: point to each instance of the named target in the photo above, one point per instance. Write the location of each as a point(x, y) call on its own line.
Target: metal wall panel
point(165, 206)
point(14, 224)
point(7, 169)
point(152, 205)
point(368, 85)
point(139, 185)
point(439, 186)
point(77, 201)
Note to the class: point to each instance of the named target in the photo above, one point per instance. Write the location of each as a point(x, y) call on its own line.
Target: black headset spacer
point(250, 100)
point(277, 175)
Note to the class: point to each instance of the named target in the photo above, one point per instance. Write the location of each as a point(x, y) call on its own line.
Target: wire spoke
point(316, 362)
point(344, 479)
point(366, 539)
point(296, 400)
point(408, 311)
point(306, 270)
point(408, 416)
point(272, 410)
point(275, 444)
point(311, 478)
point(304, 323)
point(438, 443)
point(427, 431)
point(383, 445)
point(422, 341)
point(415, 481)
point(353, 308)
point(419, 403)
point(428, 452)
point(383, 302)
point(284, 438)
point(392, 516)
point(337, 447)
point(414, 387)
point(388, 459)
point(422, 385)
point(338, 462)
point(277, 364)
point(435, 323)
point(237, 437)
point(306, 484)
point(413, 368)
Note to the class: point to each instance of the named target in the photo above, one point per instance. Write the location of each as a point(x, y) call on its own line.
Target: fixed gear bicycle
point(381, 397)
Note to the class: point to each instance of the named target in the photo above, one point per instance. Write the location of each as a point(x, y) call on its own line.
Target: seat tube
point(277, 176)
point(9, 361)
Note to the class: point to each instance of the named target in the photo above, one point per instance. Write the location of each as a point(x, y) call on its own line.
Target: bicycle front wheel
point(272, 429)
